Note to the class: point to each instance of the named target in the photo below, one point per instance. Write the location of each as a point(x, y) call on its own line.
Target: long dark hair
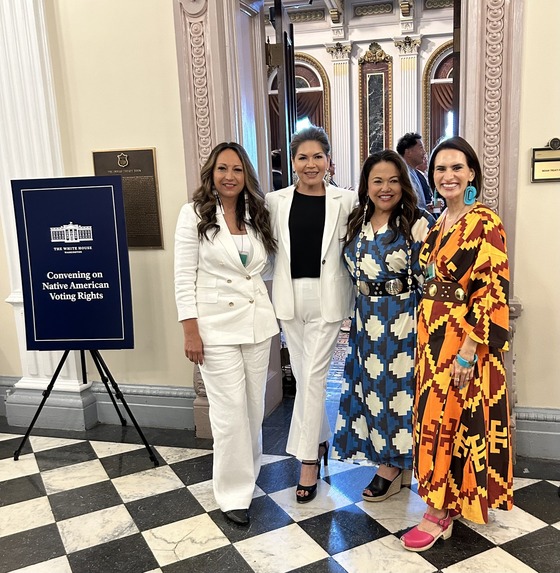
point(405, 213)
point(205, 201)
point(463, 145)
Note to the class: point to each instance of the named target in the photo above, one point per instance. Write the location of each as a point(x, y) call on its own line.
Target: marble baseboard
point(152, 406)
point(538, 433)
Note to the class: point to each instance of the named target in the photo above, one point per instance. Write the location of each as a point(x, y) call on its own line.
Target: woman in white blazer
point(223, 242)
point(311, 291)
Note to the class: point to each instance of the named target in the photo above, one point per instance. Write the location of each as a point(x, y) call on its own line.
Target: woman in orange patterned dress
point(461, 415)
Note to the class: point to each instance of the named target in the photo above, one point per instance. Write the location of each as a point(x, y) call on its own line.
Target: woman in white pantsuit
point(223, 242)
point(311, 291)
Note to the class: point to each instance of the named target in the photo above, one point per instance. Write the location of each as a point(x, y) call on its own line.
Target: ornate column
point(30, 148)
point(489, 118)
point(341, 136)
point(408, 52)
point(220, 49)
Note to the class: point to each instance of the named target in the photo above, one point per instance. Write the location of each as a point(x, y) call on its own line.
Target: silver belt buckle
point(363, 287)
point(394, 286)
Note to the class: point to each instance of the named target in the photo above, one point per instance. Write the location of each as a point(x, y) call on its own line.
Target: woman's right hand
point(194, 347)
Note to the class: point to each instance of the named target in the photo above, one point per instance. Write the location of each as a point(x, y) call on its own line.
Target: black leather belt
point(444, 291)
point(383, 288)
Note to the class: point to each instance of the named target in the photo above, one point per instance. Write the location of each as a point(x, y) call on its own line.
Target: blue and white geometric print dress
point(375, 414)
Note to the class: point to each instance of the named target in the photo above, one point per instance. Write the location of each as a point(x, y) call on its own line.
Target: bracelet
point(465, 363)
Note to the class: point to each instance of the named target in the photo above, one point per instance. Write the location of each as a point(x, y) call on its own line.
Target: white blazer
point(229, 300)
point(336, 290)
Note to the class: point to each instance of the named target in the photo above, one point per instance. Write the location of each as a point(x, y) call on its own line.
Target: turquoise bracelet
point(465, 363)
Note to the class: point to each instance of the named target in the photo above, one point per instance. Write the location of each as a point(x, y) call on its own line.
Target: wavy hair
point(459, 144)
point(404, 214)
point(206, 203)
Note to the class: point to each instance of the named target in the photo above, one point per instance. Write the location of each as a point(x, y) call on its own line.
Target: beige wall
point(10, 364)
point(537, 268)
point(116, 83)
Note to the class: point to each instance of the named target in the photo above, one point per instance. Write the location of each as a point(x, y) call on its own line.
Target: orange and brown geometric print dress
point(462, 436)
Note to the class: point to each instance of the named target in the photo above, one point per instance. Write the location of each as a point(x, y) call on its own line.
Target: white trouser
point(235, 381)
point(311, 342)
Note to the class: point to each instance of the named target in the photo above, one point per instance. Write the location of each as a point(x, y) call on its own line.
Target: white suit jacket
point(336, 290)
point(229, 300)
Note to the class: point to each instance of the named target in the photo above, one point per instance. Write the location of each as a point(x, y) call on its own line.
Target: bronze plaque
point(140, 191)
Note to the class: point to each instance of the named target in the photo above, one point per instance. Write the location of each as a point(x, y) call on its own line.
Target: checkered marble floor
point(93, 502)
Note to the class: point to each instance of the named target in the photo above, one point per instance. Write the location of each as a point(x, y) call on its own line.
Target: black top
point(306, 223)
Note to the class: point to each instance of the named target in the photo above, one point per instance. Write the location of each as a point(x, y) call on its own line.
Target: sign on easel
point(74, 263)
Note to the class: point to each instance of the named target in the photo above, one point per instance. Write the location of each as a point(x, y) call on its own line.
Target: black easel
point(106, 376)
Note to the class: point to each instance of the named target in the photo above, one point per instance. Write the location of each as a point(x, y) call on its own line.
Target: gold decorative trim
point(437, 4)
point(375, 10)
point(426, 98)
point(318, 67)
point(375, 56)
point(306, 16)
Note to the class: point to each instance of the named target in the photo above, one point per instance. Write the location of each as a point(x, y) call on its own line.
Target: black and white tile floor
point(93, 502)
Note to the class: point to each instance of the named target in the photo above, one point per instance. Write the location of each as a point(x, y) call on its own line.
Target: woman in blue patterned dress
point(385, 233)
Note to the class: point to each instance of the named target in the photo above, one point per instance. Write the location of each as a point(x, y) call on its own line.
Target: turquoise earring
point(470, 195)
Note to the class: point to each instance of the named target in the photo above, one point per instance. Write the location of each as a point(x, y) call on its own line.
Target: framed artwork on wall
point(376, 100)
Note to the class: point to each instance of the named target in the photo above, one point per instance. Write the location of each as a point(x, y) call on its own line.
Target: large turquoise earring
point(469, 196)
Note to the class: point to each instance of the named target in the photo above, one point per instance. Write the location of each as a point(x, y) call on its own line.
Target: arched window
point(312, 89)
point(438, 95)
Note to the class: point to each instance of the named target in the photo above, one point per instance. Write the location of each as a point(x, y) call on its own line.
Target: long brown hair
point(205, 201)
point(405, 213)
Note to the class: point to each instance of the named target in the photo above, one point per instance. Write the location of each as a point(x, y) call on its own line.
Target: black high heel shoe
point(382, 488)
point(325, 455)
point(309, 491)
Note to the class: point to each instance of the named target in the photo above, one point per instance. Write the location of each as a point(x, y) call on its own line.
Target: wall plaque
point(137, 167)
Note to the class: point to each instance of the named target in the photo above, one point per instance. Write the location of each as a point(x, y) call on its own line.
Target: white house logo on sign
point(72, 234)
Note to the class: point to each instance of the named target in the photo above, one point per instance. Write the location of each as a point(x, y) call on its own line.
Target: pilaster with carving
point(340, 130)
point(408, 56)
point(489, 118)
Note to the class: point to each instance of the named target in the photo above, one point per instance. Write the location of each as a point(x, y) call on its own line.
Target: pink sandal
point(416, 540)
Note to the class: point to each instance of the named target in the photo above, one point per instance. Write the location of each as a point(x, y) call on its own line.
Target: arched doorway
point(312, 96)
point(438, 95)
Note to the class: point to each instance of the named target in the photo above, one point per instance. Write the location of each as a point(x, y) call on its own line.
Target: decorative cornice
point(373, 10)
point(408, 45)
point(339, 51)
point(437, 4)
point(493, 102)
point(375, 54)
point(306, 16)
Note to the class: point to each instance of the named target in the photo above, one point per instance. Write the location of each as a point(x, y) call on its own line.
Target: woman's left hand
point(461, 375)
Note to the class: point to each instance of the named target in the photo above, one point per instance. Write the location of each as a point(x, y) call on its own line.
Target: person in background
point(223, 242)
point(385, 233)
point(276, 164)
point(332, 171)
point(411, 148)
point(311, 291)
point(462, 444)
